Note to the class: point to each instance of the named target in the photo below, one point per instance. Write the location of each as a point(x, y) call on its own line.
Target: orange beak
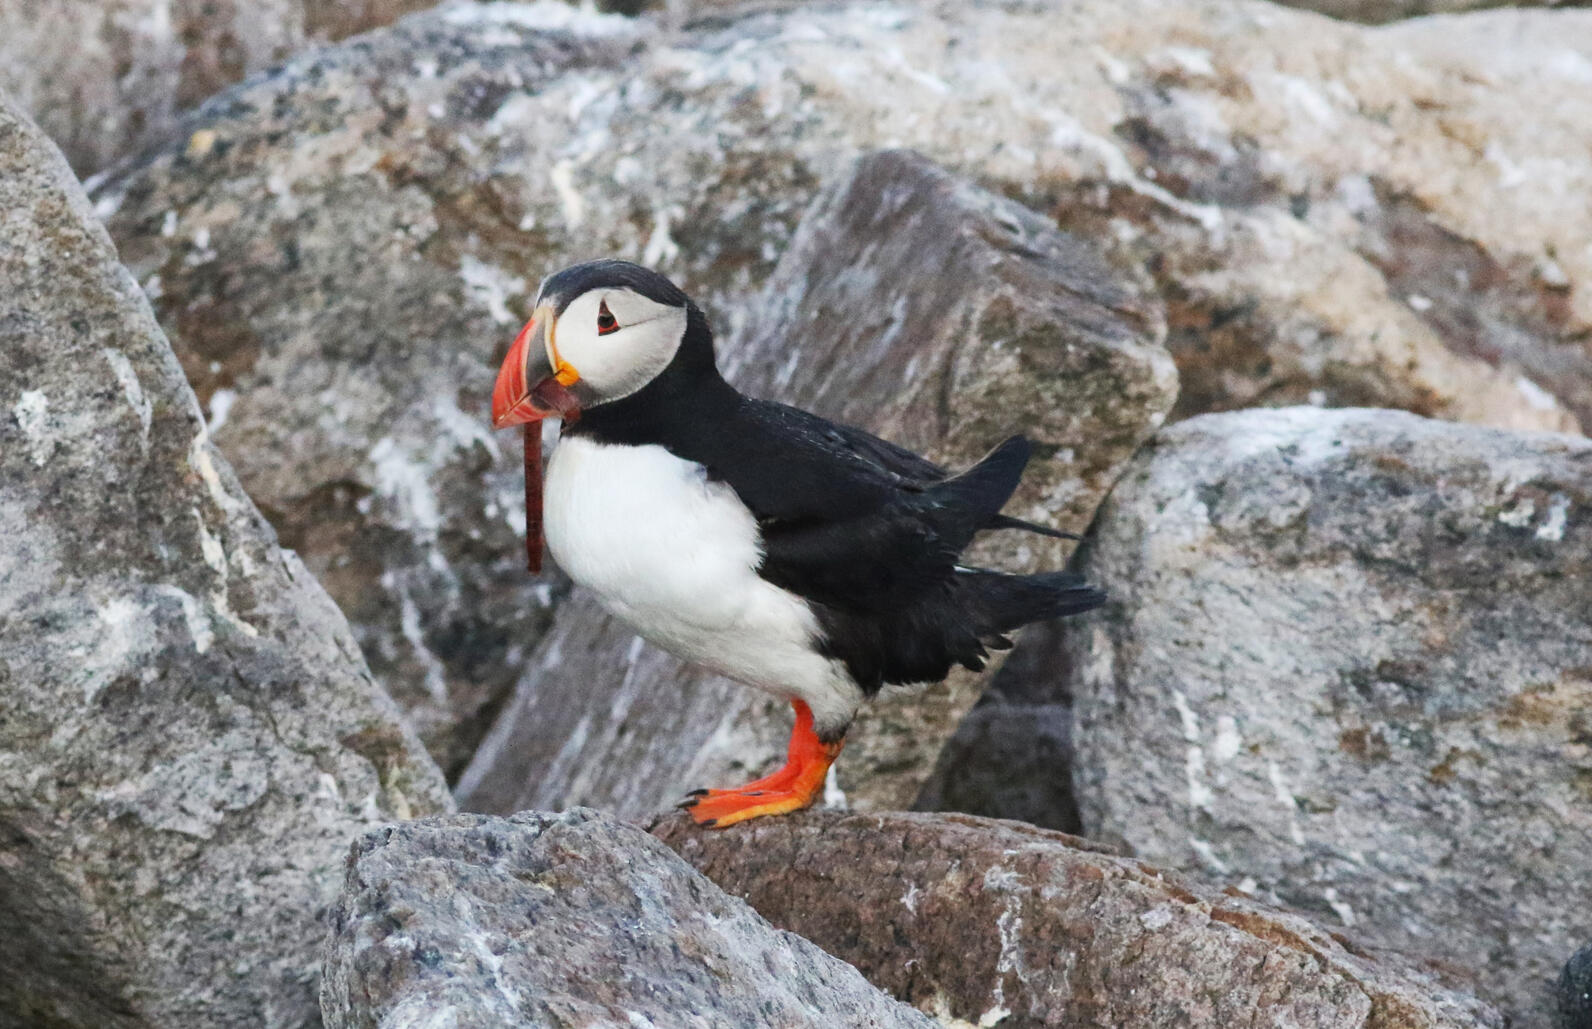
point(533, 382)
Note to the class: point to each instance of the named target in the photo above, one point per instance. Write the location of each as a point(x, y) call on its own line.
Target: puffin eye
point(606, 322)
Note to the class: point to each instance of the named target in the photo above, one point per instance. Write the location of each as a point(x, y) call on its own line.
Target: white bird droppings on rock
point(1519, 516)
point(1157, 917)
point(123, 369)
point(221, 402)
point(563, 179)
point(1228, 740)
point(1344, 912)
point(661, 249)
point(201, 458)
point(214, 554)
point(834, 796)
point(123, 628)
point(32, 415)
point(194, 616)
point(491, 286)
point(541, 15)
point(402, 481)
point(1539, 398)
point(1552, 527)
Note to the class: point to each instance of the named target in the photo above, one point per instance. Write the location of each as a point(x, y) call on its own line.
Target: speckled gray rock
point(997, 923)
point(568, 920)
point(110, 77)
point(939, 316)
point(343, 332)
point(188, 736)
point(1575, 991)
point(1348, 659)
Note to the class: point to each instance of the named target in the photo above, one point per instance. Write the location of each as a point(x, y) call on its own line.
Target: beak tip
point(521, 413)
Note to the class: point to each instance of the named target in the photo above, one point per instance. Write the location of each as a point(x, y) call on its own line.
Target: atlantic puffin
point(797, 556)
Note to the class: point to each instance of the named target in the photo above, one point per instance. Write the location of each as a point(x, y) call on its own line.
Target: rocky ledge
point(998, 923)
point(565, 921)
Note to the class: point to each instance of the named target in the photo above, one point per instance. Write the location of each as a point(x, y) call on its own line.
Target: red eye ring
point(606, 322)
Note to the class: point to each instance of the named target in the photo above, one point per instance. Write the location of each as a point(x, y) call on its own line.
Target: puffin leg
point(791, 788)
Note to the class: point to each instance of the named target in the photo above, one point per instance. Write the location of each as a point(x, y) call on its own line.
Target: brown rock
point(1000, 923)
point(188, 736)
point(934, 314)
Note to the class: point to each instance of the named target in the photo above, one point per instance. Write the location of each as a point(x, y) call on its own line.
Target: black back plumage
point(868, 533)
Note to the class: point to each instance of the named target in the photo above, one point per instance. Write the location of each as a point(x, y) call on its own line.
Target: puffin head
point(600, 332)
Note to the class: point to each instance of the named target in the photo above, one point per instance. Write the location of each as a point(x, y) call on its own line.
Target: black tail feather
point(983, 490)
point(999, 602)
point(1001, 521)
point(970, 500)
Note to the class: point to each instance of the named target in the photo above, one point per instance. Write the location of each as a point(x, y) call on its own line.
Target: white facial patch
point(617, 363)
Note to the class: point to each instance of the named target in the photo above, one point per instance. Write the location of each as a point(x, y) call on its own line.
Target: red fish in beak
point(531, 385)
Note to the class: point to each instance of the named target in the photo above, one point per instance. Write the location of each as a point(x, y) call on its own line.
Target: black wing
point(852, 520)
point(869, 534)
point(851, 468)
point(792, 466)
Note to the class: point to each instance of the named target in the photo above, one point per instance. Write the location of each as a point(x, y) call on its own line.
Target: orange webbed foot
point(791, 788)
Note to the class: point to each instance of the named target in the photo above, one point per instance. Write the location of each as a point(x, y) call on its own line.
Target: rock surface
point(334, 313)
point(1001, 923)
point(188, 736)
point(939, 316)
point(1011, 757)
point(566, 920)
point(1575, 991)
point(1348, 658)
point(340, 249)
point(109, 78)
point(1380, 11)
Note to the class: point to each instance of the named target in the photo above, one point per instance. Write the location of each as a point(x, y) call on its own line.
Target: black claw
point(688, 804)
point(710, 823)
point(697, 793)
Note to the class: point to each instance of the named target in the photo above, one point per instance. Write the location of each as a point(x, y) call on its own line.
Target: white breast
point(675, 555)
